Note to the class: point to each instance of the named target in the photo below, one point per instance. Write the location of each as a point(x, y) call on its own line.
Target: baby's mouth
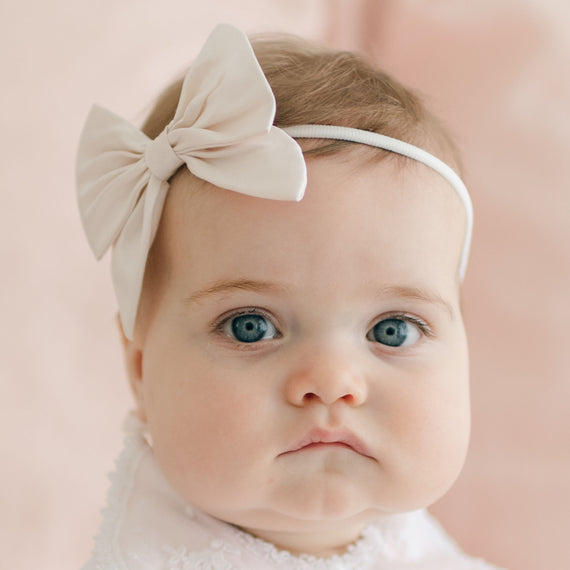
point(319, 438)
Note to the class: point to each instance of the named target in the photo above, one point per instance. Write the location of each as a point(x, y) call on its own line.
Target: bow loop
point(111, 175)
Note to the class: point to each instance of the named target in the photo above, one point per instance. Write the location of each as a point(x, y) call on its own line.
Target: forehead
point(393, 220)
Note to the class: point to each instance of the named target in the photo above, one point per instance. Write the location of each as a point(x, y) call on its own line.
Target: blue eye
point(394, 332)
point(249, 328)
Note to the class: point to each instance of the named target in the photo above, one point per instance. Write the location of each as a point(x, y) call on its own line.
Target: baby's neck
point(321, 544)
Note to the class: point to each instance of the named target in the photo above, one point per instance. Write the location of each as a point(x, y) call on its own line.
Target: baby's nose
point(326, 377)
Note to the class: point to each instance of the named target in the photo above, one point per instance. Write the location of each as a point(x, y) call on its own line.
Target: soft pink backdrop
point(498, 72)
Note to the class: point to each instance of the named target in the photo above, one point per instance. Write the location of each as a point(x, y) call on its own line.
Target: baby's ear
point(133, 362)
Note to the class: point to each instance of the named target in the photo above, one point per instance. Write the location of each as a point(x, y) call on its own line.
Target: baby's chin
point(306, 531)
point(292, 530)
point(319, 503)
point(317, 515)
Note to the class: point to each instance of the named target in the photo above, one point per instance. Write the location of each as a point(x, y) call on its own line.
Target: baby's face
point(306, 368)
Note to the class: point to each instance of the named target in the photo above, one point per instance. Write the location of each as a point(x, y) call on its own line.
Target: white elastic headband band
point(399, 147)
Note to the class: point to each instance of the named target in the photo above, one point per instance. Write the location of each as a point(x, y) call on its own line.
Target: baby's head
point(302, 366)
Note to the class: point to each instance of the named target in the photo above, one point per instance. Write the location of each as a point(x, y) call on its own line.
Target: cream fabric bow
point(222, 130)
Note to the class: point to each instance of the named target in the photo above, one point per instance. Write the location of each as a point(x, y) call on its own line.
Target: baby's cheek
point(207, 425)
point(213, 460)
point(442, 433)
point(429, 431)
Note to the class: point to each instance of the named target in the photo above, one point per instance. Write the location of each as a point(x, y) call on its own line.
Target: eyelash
point(420, 323)
point(218, 325)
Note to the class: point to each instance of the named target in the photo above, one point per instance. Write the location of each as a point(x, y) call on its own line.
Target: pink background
point(498, 72)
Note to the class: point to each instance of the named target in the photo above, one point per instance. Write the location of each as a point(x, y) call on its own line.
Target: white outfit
point(147, 526)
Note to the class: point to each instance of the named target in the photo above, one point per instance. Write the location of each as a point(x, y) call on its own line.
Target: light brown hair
point(317, 85)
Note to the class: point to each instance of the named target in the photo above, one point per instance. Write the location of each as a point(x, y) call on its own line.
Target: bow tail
point(131, 250)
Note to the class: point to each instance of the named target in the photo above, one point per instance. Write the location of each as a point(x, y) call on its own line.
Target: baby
point(287, 262)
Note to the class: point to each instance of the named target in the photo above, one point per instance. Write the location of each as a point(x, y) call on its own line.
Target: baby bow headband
point(223, 131)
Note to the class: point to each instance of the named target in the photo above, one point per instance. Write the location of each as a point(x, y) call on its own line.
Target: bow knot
point(160, 157)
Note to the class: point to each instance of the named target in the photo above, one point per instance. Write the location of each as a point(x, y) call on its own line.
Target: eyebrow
point(418, 294)
point(228, 285)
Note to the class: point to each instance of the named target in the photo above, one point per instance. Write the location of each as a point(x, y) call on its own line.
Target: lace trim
point(106, 553)
point(356, 557)
point(226, 556)
point(213, 558)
